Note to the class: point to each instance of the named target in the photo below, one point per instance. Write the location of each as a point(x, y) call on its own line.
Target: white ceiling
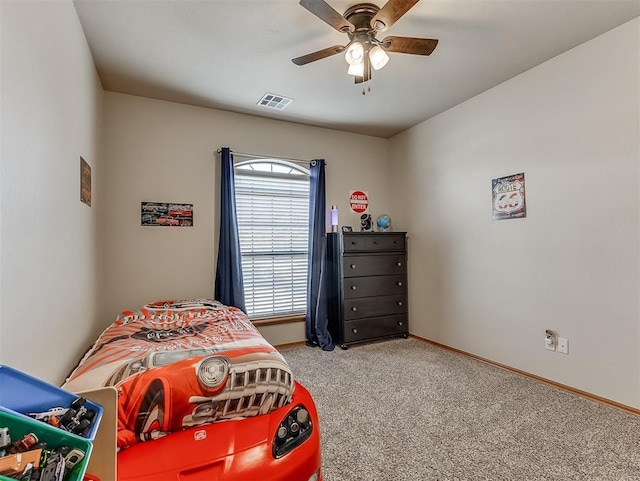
point(227, 54)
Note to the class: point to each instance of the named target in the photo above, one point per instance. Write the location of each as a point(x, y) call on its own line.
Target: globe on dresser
point(383, 222)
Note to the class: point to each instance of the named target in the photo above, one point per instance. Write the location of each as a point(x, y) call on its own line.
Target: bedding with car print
point(183, 363)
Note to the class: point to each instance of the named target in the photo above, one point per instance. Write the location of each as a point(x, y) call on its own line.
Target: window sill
point(273, 321)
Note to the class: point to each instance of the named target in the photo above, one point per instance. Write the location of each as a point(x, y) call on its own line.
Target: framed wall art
point(166, 214)
point(508, 195)
point(85, 182)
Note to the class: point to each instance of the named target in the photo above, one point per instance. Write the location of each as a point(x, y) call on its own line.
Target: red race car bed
point(211, 396)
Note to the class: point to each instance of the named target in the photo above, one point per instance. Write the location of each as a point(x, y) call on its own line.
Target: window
point(272, 199)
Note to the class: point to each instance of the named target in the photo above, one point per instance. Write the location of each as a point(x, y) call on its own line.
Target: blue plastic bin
point(24, 394)
point(20, 425)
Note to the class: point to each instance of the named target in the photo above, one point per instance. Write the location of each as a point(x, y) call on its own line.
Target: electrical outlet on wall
point(550, 340)
point(563, 345)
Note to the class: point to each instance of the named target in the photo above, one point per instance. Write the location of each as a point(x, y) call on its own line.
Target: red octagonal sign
point(359, 201)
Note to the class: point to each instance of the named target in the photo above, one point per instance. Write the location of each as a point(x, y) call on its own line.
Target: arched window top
point(272, 166)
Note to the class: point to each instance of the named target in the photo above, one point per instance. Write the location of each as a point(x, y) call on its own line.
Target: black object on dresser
point(367, 286)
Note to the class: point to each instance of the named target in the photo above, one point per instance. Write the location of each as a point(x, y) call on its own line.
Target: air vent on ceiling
point(274, 101)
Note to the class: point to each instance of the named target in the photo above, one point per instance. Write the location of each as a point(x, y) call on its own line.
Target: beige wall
point(162, 151)
point(492, 288)
point(51, 113)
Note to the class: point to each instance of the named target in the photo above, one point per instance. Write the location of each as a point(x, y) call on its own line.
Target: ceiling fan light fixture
point(356, 69)
point(354, 53)
point(378, 57)
point(362, 22)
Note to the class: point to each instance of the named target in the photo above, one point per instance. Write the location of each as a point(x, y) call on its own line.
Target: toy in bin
point(76, 418)
point(29, 459)
point(23, 394)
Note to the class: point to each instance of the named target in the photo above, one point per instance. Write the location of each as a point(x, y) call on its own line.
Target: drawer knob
point(353, 243)
point(399, 283)
point(375, 243)
point(354, 308)
point(399, 264)
point(354, 330)
point(399, 303)
point(353, 288)
point(353, 266)
point(400, 323)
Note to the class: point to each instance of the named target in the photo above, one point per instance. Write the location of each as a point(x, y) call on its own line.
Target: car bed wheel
point(150, 421)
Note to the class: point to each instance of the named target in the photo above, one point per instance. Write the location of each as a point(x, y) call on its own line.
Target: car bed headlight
point(292, 431)
point(212, 371)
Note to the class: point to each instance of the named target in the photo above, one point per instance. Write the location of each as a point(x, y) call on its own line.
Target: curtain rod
point(255, 156)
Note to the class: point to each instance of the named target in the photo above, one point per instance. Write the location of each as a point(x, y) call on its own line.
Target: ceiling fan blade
point(320, 54)
point(326, 13)
point(416, 46)
point(390, 13)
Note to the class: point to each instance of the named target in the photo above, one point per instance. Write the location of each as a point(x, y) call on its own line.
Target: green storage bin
point(19, 426)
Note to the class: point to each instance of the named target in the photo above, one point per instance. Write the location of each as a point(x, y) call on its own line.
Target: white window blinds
point(272, 199)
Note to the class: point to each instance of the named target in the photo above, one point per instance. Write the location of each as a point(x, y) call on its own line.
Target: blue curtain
point(229, 287)
point(317, 315)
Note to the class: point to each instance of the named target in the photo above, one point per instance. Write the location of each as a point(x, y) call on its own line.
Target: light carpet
point(407, 410)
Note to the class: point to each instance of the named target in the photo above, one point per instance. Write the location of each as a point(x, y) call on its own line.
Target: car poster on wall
point(508, 197)
point(167, 214)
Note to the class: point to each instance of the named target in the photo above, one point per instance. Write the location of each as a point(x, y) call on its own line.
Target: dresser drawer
point(380, 265)
point(374, 286)
point(372, 327)
point(374, 306)
point(353, 243)
point(373, 242)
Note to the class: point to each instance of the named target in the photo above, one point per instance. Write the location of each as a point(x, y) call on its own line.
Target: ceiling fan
point(361, 23)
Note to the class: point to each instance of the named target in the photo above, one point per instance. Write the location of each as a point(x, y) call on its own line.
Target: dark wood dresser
point(367, 286)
